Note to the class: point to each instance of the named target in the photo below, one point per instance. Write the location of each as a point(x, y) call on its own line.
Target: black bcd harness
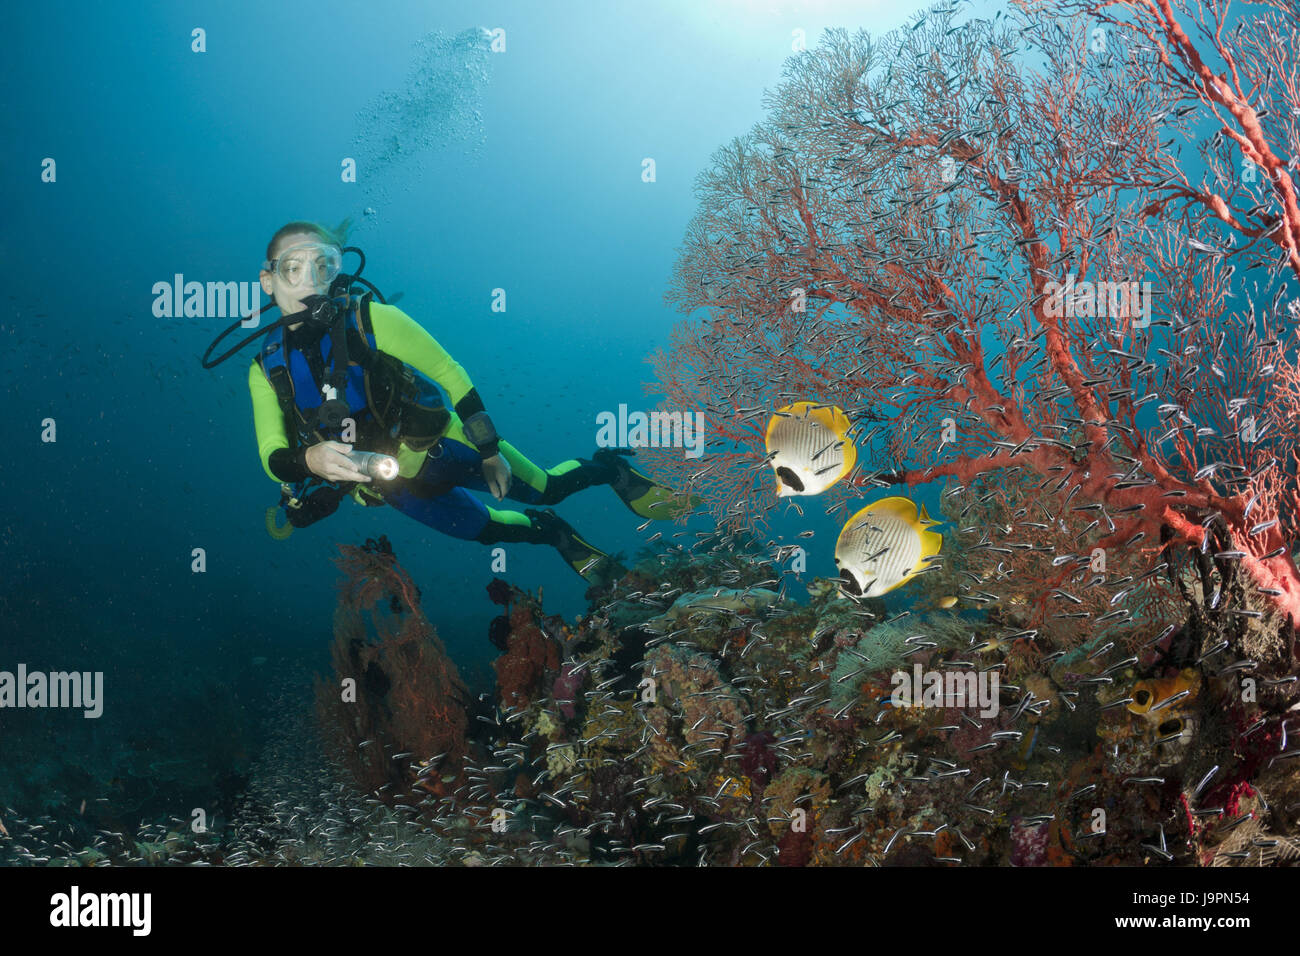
point(391, 404)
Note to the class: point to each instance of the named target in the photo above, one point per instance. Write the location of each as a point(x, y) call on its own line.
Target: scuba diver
point(347, 400)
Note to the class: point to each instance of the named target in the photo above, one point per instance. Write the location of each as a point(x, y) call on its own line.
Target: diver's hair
point(294, 228)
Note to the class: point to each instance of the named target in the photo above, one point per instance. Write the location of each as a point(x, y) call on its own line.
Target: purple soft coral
point(758, 760)
point(566, 687)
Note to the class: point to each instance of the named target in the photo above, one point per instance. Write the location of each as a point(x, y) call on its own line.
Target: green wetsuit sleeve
point(403, 338)
point(268, 419)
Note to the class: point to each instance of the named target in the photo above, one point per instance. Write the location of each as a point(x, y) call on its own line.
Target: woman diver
point(346, 400)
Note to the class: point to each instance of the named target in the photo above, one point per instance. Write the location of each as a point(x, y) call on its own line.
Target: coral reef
point(765, 734)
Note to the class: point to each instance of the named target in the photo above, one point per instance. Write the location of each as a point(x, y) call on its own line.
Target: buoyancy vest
point(389, 402)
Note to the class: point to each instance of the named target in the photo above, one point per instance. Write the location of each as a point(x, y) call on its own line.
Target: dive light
point(374, 464)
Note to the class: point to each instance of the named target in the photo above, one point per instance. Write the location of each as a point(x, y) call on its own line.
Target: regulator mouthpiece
point(374, 464)
point(319, 311)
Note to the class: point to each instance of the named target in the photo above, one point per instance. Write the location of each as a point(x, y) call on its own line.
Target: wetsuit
point(433, 486)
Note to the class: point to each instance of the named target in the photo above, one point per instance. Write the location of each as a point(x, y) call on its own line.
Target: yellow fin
point(904, 509)
point(828, 416)
point(931, 544)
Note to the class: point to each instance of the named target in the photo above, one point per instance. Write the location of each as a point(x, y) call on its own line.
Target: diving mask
point(307, 263)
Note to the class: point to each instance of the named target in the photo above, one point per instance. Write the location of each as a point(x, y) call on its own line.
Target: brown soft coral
point(395, 689)
point(529, 655)
point(795, 805)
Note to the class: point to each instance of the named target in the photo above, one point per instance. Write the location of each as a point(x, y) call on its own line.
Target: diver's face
point(288, 295)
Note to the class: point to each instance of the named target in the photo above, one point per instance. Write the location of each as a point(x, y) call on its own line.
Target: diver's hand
point(329, 460)
point(496, 472)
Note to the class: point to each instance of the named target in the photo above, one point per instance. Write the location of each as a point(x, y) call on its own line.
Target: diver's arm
point(289, 466)
point(477, 426)
point(278, 461)
point(402, 337)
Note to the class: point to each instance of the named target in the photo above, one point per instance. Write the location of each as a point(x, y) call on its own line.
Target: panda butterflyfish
point(808, 448)
point(885, 545)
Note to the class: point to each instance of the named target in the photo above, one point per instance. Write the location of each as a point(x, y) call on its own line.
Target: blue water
point(518, 170)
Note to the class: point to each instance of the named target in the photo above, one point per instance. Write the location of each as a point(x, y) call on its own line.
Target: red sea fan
point(916, 255)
